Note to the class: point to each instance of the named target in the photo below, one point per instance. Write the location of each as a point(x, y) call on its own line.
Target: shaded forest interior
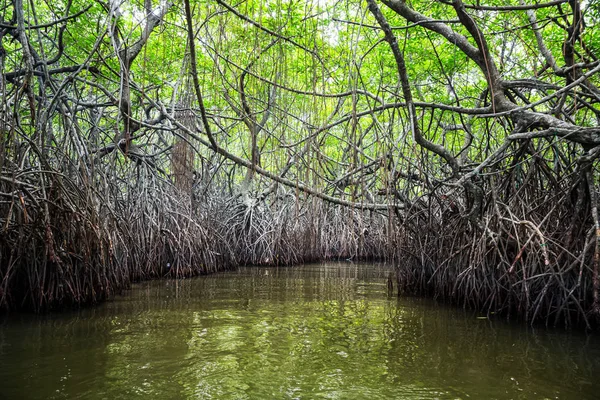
point(460, 142)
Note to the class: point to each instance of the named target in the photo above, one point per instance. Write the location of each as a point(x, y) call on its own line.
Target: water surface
point(311, 332)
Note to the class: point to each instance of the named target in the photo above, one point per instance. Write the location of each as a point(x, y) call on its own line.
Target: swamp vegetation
point(457, 141)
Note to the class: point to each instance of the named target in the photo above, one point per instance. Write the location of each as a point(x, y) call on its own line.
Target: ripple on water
point(316, 331)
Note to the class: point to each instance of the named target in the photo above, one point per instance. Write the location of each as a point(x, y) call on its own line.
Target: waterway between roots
point(325, 331)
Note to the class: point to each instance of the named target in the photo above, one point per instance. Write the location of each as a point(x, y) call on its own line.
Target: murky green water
point(310, 332)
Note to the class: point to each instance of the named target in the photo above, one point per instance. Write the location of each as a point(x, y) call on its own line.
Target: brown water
point(312, 332)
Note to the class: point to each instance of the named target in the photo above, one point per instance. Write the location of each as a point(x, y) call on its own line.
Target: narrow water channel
point(317, 331)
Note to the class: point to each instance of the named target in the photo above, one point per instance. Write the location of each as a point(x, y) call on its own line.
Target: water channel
point(326, 331)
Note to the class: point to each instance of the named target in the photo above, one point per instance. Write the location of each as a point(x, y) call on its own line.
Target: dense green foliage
point(458, 138)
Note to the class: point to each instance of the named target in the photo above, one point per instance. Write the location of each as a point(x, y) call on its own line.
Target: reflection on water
point(316, 331)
